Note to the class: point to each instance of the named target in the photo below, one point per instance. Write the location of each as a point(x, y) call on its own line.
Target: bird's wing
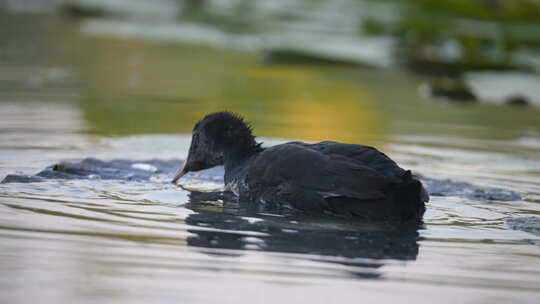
point(362, 155)
point(297, 167)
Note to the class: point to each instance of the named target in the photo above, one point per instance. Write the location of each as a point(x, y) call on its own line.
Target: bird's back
point(364, 155)
point(327, 176)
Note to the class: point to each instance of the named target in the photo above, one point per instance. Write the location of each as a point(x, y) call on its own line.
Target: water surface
point(69, 96)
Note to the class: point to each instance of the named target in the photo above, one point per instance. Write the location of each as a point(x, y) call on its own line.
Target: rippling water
point(124, 241)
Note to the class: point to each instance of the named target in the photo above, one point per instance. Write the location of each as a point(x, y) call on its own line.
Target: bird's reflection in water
point(360, 246)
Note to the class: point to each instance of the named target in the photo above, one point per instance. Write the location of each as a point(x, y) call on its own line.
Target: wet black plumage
point(327, 177)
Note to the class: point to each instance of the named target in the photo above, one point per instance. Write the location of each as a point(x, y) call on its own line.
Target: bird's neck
point(237, 150)
point(235, 163)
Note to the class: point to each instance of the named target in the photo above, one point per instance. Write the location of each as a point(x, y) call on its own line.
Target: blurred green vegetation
point(491, 10)
point(487, 32)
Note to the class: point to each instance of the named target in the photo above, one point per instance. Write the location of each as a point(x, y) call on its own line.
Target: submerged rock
point(20, 178)
point(91, 168)
point(446, 187)
point(529, 224)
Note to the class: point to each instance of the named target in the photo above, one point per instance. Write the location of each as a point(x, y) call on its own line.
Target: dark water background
point(128, 79)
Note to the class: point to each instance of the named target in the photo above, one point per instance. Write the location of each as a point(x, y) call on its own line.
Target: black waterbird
point(326, 177)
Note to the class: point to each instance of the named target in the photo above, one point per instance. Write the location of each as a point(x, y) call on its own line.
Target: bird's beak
point(181, 172)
